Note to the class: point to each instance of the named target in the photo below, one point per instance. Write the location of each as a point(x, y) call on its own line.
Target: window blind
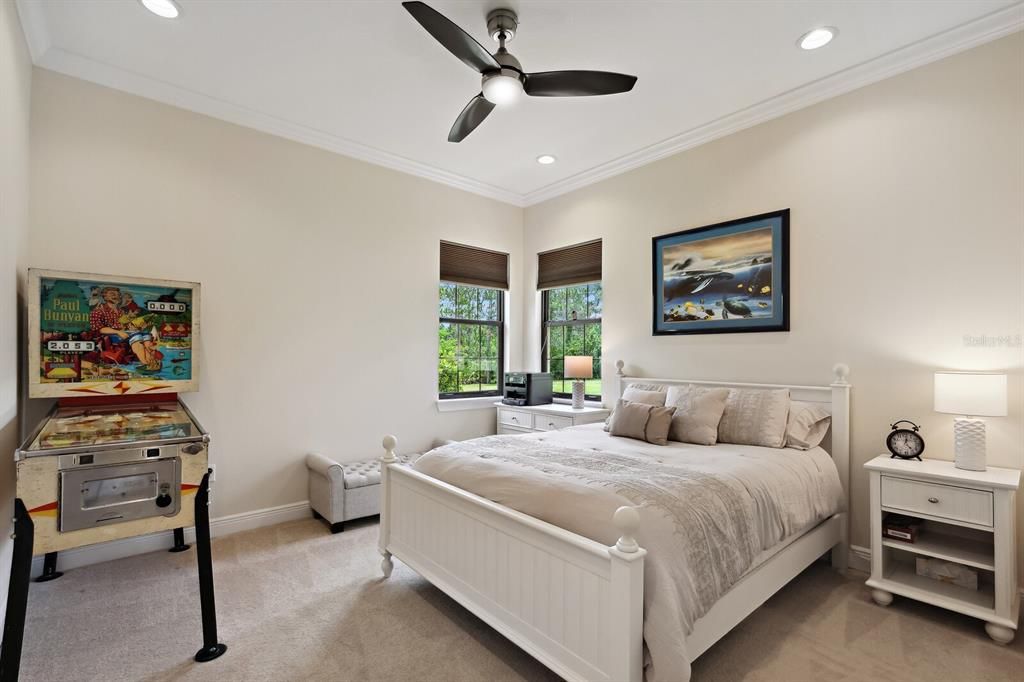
point(476, 267)
point(569, 265)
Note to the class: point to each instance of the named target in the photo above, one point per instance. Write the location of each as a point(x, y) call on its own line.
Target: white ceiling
point(364, 79)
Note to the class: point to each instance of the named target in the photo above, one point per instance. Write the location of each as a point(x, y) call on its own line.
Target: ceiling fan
point(502, 75)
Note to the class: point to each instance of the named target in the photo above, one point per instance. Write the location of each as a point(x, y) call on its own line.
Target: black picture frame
point(708, 301)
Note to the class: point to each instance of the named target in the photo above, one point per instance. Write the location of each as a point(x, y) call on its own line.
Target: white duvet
point(708, 513)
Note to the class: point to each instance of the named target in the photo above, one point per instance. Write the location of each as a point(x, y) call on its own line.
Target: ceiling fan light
point(500, 89)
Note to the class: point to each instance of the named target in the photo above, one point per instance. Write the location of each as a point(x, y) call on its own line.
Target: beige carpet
point(296, 603)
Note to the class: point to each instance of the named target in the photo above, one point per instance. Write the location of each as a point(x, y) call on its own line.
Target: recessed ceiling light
point(168, 9)
point(545, 159)
point(819, 37)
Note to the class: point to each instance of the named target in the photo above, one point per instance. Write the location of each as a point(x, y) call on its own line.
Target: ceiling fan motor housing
point(502, 21)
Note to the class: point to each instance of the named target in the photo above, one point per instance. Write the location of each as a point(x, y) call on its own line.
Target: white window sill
point(459, 404)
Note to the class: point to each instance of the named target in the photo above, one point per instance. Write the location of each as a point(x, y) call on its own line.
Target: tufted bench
point(342, 492)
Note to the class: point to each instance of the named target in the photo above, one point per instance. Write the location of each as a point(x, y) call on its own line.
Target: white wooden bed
point(574, 604)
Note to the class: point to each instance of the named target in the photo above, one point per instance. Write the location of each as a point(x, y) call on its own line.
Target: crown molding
point(35, 29)
point(985, 29)
point(84, 68)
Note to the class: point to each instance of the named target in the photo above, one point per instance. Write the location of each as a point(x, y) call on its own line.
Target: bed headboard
point(835, 396)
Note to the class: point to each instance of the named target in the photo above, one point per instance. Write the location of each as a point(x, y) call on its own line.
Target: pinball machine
point(119, 455)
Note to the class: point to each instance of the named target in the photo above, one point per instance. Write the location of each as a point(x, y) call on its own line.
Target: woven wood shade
point(473, 266)
point(570, 265)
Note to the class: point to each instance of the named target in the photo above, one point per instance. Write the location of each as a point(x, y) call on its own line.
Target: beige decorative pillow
point(807, 426)
point(629, 419)
point(635, 394)
point(698, 411)
point(649, 394)
point(641, 421)
point(755, 417)
point(658, 425)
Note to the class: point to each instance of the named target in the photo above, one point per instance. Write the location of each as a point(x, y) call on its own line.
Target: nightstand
point(550, 417)
point(968, 517)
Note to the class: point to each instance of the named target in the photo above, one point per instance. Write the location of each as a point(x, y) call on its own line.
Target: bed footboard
point(571, 603)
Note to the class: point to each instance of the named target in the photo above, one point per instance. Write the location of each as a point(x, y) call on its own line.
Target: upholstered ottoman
point(342, 492)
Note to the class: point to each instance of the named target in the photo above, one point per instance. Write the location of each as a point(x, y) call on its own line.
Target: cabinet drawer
point(550, 422)
point(935, 499)
point(523, 420)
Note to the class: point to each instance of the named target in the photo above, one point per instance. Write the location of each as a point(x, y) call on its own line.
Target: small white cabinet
point(968, 518)
point(551, 417)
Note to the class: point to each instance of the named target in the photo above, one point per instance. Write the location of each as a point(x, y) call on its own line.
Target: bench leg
point(338, 527)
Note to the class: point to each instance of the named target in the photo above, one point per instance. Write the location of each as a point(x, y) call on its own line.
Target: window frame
point(546, 323)
point(499, 326)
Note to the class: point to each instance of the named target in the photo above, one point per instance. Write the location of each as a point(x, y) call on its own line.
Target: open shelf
point(974, 553)
point(904, 580)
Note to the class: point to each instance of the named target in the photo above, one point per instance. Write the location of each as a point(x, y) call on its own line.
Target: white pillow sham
point(807, 425)
point(698, 411)
point(755, 417)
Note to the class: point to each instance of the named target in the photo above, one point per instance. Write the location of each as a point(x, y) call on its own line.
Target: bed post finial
point(627, 521)
point(841, 371)
point(619, 364)
point(389, 444)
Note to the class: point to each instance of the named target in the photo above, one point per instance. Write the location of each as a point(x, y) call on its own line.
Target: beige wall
point(15, 77)
point(298, 251)
point(907, 233)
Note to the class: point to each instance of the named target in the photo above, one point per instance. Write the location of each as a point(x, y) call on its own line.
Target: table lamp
point(971, 394)
point(578, 367)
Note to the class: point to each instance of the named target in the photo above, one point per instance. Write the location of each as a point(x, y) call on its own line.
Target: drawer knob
point(933, 500)
point(515, 419)
point(551, 424)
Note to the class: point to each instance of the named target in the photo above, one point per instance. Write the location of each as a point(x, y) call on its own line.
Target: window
point(470, 341)
point(572, 326)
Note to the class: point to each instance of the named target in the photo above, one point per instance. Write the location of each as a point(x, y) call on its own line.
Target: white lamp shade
point(579, 367)
point(969, 393)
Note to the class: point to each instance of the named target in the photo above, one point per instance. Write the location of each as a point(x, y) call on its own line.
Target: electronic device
point(905, 443)
point(527, 388)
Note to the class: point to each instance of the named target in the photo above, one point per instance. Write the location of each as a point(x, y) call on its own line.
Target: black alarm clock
point(905, 443)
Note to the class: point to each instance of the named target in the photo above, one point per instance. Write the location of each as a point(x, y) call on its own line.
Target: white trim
point(985, 29)
point(860, 558)
point(33, 25)
point(460, 404)
point(155, 542)
point(72, 64)
point(934, 48)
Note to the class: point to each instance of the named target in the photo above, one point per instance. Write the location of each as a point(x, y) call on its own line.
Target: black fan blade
point(577, 83)
point(457, 41)
point(472, 116)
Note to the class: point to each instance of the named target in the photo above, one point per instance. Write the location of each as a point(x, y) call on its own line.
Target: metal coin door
point(123, 485)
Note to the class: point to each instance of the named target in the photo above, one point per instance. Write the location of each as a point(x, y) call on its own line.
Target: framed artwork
point(728, 277)
point(100, 335)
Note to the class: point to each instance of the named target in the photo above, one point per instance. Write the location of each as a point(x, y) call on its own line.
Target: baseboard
point(860, 559)
point(143, 544)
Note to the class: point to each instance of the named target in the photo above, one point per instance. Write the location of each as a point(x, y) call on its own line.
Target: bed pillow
point(698, 411)
point(651, 394)
point(808, 423)
point(641, 421)
point(755, 417)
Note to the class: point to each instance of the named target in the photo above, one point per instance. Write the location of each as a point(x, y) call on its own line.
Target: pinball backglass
point(101, 335)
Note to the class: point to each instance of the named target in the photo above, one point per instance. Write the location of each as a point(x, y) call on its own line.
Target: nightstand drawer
point(523, 420)
point(945, 501)
point(549, 422)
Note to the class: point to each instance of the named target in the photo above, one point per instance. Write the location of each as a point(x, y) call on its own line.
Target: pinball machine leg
point(211, 647)
point(179, 541)
point(50, 571)
point(17, 593)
